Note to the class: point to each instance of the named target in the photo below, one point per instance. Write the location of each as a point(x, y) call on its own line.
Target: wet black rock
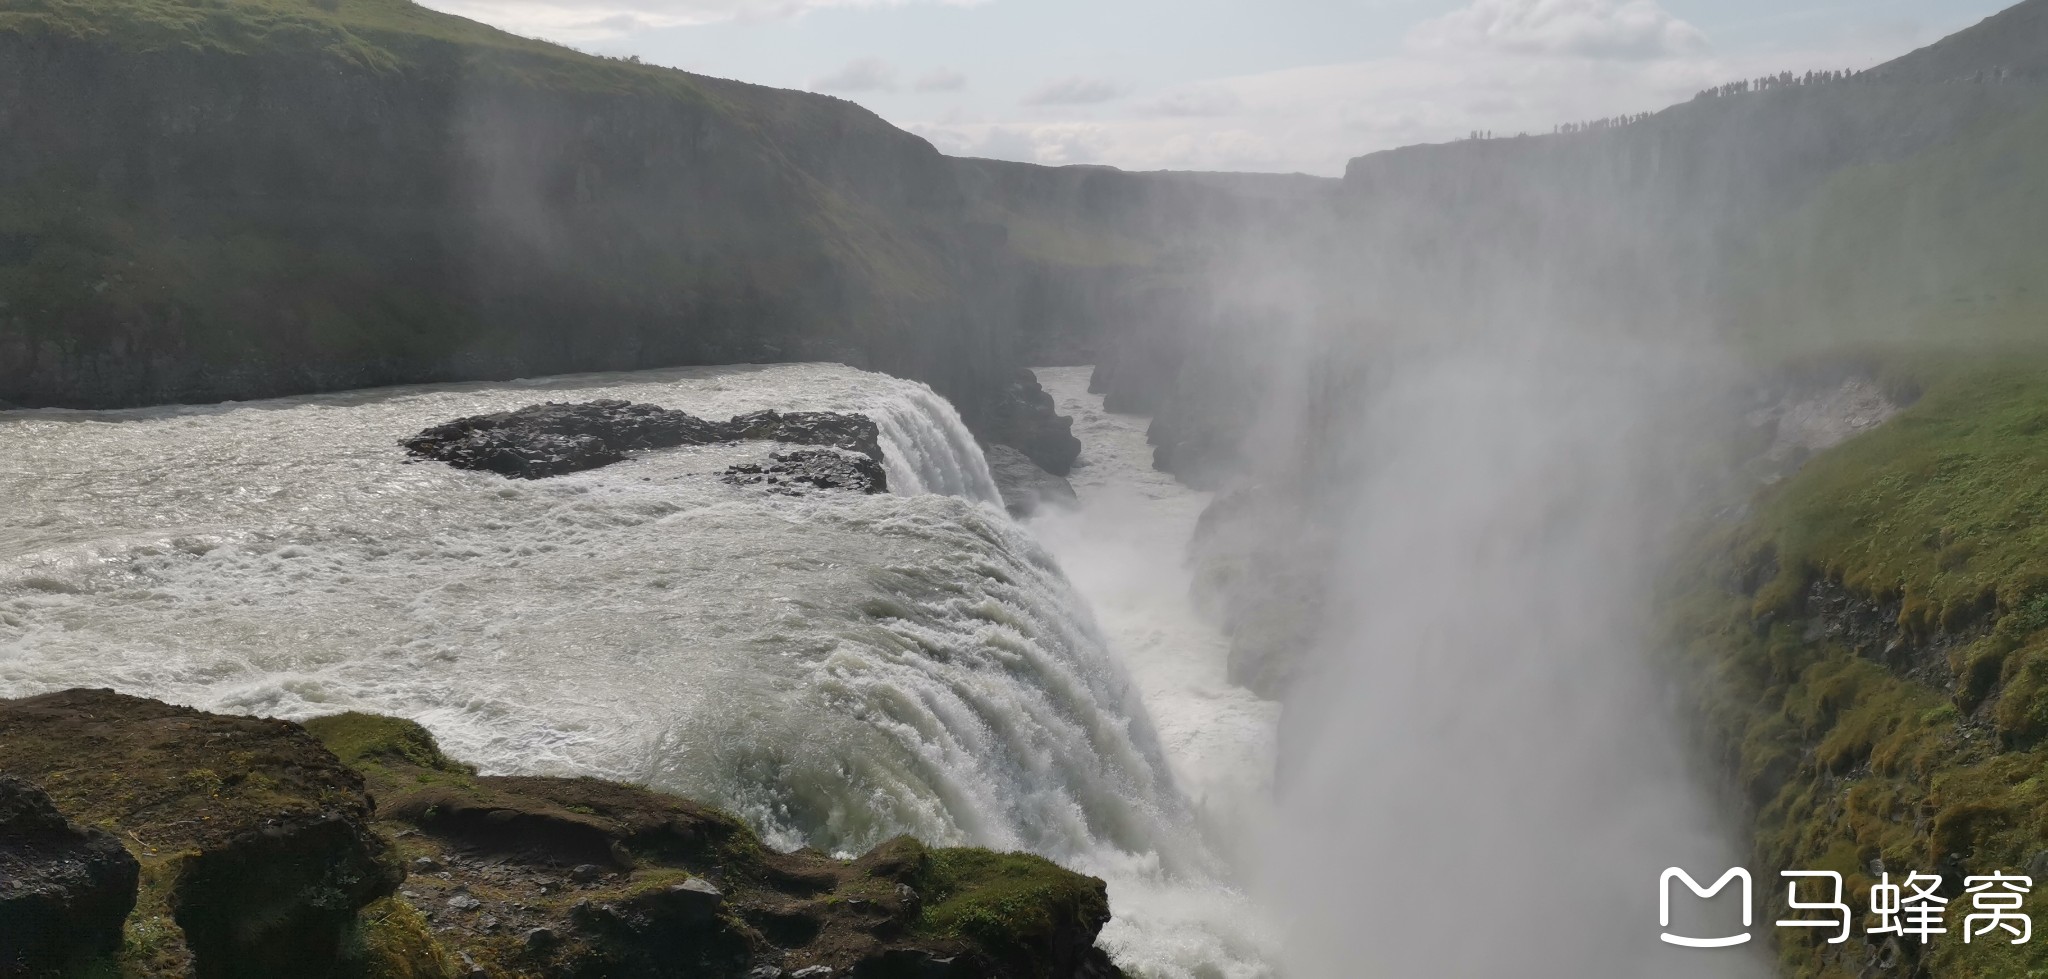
point(1027, 419)
point(553, 439)
point(64, 891)
point(853, 433)
point(804, 470)
point(1026, 487)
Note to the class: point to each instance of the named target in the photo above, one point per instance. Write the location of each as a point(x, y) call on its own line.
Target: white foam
point(837, 669)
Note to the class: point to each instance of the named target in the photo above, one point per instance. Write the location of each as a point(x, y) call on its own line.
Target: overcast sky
point(1273, 85)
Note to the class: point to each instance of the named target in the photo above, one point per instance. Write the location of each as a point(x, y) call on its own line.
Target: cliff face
point(263, 197)
point(200, 225)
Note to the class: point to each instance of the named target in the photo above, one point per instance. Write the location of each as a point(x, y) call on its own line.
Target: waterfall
point(928, 449)
point(836, 668)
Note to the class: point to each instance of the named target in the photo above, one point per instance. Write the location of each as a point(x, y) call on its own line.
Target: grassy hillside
point(203, 199)
point(1869, 649)
point(1868, 644)
point(228, 199)
point(385, 35)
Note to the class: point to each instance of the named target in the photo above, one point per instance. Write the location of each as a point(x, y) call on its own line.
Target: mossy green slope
point(1869, 651)
point(377, 34)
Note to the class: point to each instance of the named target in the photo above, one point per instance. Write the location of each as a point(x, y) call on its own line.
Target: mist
point(1472, 404)
point(1481, 776)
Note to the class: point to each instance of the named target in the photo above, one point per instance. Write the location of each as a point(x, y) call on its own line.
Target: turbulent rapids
point(837, 669)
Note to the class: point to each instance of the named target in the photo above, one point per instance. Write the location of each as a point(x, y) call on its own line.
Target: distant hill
point(1908, 192)
point(214, 199)
point(2011, 43)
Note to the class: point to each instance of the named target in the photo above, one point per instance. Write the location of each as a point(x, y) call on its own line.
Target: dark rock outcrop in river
point(64, 891)
point(1026, 421)
point(1026, 488)
point(796, 473)
point(552, 439)
point(270, 849)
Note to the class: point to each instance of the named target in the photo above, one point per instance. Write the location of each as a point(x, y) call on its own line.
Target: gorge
point(682, 527)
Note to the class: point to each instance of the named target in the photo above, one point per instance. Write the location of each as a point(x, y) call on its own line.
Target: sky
point(1253, 85)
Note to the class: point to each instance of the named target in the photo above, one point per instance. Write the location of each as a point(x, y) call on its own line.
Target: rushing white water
point(1125, 548)
point(927, 450)
point(836, 668)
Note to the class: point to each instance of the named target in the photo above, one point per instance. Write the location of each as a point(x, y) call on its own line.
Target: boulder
point(258, 838)
point(554, 439)
point(1026, 487)
point(64, 891)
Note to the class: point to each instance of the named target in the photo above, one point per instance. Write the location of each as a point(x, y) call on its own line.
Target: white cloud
point(859, 75)
point(1502, 65)
point(1078, 90)
point(1055, 144)
point(1625, 29)
point(1195, 102)
point(1315, 119)
point(571, 20)
point(942, 80)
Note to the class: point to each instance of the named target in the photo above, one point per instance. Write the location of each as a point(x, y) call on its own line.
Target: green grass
point(380, 35)
point(395, 941)
point(1847, 754)
point(373, 742)
point(1008, 903)
point(1926, 746)
point(1945, 508)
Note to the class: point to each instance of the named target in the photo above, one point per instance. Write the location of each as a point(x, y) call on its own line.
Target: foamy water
point(837, 669)
point(1125, 548)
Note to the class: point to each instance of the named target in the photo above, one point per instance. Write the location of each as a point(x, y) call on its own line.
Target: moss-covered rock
point(263, 852)
point(1014, 905)
point(582, 877)
point(255, 843)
